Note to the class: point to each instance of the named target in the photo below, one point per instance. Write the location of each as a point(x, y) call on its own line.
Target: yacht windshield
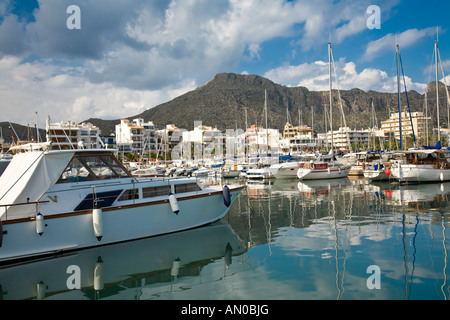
point(88, 167)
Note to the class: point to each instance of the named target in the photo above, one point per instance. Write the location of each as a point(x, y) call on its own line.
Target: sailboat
point(262, 171)
point(424, 165)
point(324, 167)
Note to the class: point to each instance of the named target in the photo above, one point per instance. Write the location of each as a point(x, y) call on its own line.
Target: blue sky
point(131, 55)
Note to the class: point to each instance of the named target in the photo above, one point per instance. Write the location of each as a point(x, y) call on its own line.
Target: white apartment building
point(205, 141)
point(391, 127)
point(261, 141)
point(136, 136)
point(71, 135)
point(298, 138)
point(343, 136)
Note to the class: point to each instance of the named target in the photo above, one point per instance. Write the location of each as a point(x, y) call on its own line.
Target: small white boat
point(148, 172)
point(377, 172)
point(56, 201)
point(380, 169)
point(322, 170)
point(230, 173)
point(260, 174)
point(202, 172)
point(285, 170)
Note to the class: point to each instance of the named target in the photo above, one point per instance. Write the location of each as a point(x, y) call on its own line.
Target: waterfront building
point(261, 141)
point(168, 138)
point(391, 127)
point(345, 136)
point(297, 139)
point(205, 142)
point(137, 136)
point(70, 135)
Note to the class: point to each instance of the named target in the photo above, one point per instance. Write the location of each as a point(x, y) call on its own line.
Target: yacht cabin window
point(89, 167)
point(156, 191)
point(187, 187)
point(131, 194)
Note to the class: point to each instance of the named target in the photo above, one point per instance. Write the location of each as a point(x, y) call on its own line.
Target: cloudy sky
point(130, 55)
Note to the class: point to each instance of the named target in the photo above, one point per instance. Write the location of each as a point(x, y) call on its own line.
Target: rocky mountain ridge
point(224, 101)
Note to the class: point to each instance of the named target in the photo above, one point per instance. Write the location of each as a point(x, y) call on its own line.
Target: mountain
point(222, 101)
point(25, 133)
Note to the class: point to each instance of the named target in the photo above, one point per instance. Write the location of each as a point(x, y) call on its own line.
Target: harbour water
point(340, 239)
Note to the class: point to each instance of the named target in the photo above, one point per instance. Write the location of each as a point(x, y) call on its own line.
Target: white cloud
point(135, 54)
point(59, 93)
point(387, 43)
point(315, 77)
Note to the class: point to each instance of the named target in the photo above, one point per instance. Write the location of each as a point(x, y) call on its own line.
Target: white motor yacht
point(431, 165)
point(56, 201)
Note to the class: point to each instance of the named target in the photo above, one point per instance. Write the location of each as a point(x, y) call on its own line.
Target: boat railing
point(14, 205)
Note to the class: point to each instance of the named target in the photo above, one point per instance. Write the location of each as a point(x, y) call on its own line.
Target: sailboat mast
point(265, 111)
point(398, 97)
point(426, 116)
point(331, 97)
point(437, 90)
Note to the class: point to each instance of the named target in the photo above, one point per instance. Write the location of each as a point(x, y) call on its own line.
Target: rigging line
point(407, 102)
point(340, 101)
point(446, 89)
point(431, 67)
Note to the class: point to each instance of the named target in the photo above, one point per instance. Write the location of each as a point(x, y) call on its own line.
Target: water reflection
point(280, 240)
point(325, 234)
point(143, 269)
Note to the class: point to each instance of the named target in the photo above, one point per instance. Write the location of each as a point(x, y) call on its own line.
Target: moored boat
point(55, 201)
point(285, 170)
point(380, 169)
point(431, 165)
point(320, 170)
point(260, 173)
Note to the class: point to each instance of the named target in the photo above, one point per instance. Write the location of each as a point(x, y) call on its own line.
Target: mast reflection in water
point(285, 240)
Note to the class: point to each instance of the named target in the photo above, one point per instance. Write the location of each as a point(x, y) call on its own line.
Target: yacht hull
point(329, 172)
point(419, 173)
point(285, 170)
point(75, 230)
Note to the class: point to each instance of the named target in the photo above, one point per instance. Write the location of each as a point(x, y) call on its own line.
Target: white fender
point(98, 275)
point(441, 176)
point(174, 203)
point(40, 224)
point(41, 288)
point(97, 221)
point(175, 268)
